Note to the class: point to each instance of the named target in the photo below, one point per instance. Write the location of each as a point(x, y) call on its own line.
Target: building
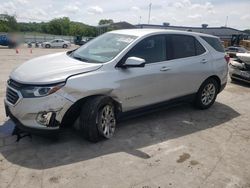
point(114, 26)
point(230, 36)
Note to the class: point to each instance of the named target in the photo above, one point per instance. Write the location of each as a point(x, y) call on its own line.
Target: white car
point(56, 43)
point(119, 72)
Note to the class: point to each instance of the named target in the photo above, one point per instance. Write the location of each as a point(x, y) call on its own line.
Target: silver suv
point(118, 72)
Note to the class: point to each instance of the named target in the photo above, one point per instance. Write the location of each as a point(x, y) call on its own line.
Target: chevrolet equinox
point(118, 72)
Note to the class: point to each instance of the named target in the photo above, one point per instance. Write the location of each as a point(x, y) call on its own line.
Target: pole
point(149, 12)
point(226, 21)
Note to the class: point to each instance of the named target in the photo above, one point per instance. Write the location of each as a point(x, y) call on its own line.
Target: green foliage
point(58, 26)
point(8, 23)
point(105, 21)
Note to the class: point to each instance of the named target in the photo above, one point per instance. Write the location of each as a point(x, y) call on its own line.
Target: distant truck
point(7, 40)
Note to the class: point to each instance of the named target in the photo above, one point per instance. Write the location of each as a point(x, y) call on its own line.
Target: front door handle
point(165, 68)
point(203, 61)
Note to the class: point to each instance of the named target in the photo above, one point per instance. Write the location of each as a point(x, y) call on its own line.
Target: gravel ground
point(176, 147)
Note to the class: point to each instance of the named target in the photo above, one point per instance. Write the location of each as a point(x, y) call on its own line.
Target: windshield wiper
point(80, 58)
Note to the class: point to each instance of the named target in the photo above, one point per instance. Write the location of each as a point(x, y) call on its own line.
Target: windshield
point(103, 48)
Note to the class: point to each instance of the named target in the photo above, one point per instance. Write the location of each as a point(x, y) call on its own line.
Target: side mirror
point(134, 62)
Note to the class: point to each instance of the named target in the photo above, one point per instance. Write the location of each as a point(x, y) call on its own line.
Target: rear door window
point(214, 42)
point(182, 46)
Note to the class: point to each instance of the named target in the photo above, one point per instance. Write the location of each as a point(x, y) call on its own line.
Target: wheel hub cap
point(107, 121)
point(208, 94)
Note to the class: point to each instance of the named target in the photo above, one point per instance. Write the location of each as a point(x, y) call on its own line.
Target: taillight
point(227, 58)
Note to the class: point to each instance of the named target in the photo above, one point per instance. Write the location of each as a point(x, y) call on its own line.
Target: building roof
point(143, 32)
point(222, 32)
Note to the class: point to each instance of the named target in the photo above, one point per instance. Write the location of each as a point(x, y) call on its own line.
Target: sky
point(176, 12)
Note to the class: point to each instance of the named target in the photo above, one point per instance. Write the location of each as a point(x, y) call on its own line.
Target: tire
point(98, 119)
point(47, 46)
point(65, 46)
point(207, 94)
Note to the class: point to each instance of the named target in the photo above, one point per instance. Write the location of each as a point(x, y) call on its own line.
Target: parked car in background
point(8, 40)
point(56, 43)
point(239, 67)
point(119, 72)
point(233, 50)
point(79, 40)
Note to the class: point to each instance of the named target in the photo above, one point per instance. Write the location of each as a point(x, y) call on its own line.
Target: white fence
point(43, 38)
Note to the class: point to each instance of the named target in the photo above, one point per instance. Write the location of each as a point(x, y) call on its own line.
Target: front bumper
point(26, 111)
point(238, 74)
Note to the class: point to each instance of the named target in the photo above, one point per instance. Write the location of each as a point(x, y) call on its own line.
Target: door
point(142, 86)
point(188, 65)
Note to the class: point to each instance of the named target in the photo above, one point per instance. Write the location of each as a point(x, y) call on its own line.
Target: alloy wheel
point(208, 94)
point(107, 121)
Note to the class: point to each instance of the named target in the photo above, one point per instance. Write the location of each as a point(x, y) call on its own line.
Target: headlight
point(40, 91)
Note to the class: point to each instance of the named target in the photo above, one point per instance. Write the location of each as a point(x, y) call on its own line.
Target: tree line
point(57, 26)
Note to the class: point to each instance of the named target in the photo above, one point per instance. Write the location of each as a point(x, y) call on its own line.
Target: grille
point(12, 96)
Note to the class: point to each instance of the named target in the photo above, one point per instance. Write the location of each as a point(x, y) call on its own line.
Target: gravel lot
point(177, 147)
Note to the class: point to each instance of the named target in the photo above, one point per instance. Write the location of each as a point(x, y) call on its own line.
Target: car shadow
point(131, 135)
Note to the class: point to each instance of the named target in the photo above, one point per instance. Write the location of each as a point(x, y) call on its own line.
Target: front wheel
point(98, 119)
point(65, 46)
point(207, 94)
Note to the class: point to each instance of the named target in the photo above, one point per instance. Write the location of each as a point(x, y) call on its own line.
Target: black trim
point(156, 107)
point(18, 85)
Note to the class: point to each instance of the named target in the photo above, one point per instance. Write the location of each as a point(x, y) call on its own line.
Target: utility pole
point(226, 21)
point(139, 20)
point(149, 12)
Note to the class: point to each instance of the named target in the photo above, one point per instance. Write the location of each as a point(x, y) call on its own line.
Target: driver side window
point(152, 49)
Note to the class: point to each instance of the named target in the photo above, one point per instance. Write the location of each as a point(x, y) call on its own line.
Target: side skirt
point(156, 107)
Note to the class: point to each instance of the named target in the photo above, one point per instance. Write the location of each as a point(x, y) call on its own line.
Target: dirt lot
point(178, 147)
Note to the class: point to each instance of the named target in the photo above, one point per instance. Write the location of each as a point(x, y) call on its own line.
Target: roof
point(142, 32)
point(218, 31)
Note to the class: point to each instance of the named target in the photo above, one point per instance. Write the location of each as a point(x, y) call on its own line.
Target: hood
point(51, 69)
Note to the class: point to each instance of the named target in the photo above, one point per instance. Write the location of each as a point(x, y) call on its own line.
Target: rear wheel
point(97, 119)
point(47, 46)
point(207, 94)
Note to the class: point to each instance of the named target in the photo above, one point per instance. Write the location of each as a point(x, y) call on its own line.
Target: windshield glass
point(103, 48)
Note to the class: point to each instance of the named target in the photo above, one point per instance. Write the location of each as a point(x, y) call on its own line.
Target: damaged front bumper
point(239, 72)
point(42, 114)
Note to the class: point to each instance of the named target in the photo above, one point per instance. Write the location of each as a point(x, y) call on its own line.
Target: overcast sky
point(176, 12)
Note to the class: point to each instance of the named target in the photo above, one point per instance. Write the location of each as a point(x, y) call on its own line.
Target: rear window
point(214, 42)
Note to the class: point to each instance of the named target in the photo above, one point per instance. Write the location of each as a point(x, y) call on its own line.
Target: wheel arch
point(74, 111)
point(217, 79)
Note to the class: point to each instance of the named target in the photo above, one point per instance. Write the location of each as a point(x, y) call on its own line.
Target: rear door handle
point(203, 61)
point(165, 68)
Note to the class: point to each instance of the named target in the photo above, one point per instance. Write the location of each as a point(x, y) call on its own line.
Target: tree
point(59, 26)
point(8, 23)
point(105, 21)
